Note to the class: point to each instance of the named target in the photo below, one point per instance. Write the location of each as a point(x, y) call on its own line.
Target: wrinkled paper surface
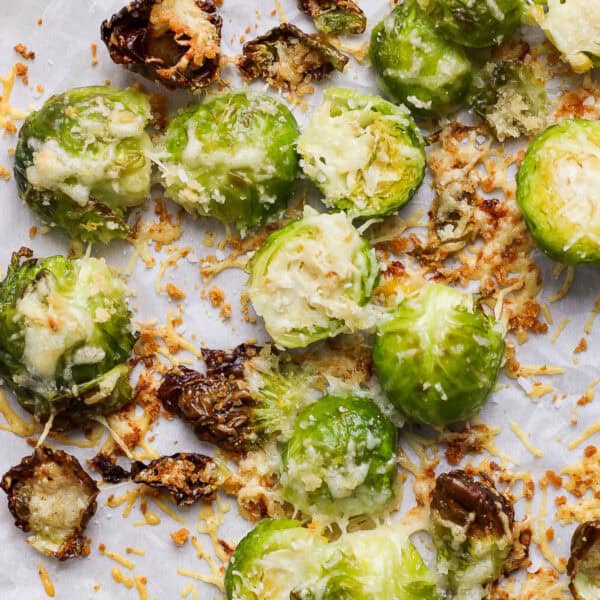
point(63, 60)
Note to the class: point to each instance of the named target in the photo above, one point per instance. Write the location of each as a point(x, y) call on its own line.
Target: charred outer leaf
point(217, 404)
point(157, 45)
point(584, 563)
point(288, 58)
point(111, 472)
point(187, 477)
point(39, 490)
point(335, 17)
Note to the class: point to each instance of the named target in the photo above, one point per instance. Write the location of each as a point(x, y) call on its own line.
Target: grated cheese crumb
point(46, 581)
point(537, 453)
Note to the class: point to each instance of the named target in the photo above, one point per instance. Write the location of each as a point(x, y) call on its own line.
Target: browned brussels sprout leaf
point(584, 563)
point(109, 469)
point(51, 496)
point(472, 531)
point(335, 17)
point(174, 42)
point(187, 477)
point(217, 404)
point(287, 58)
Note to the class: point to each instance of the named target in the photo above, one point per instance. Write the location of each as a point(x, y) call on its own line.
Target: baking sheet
point(63, 60)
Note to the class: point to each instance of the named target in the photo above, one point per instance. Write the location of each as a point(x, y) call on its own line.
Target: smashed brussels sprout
point(288, 59)
point(335, 17)
point(276, 557)
point(573, 26)
point(242, 399)
point(51, 496)
point(174, 42)
point(65, 337)
point(416, 66)
point(557, 191)
point(311, 280)
point(438, 356)
point(365, 154)
point(279, 560)
point(475, 24)
point(510, 98)
point(81, 161)
point(472, 531)
point(584, 563)
point(233, 158)
point(340, 459)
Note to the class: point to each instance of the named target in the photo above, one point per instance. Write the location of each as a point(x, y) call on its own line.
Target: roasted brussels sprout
point(438, 356)
point(51, 496)
point(365, 154)
point(472, 531)
point(187, 477)
point(416, 66)
point(279, 560)
point(335, 17)
point(81, 161)
point(311, 279)
point(174, 42)
point(340, 459)
point(584, 563)
point(474, 24)
point(288, 58)
point(573, 26)
point(557, 191)
point(243, 398)
point(65, 337)
point(232, 157)
point(276, 557)
point(510, 98)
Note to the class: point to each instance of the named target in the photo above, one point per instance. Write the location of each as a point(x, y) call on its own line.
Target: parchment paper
point(63, 60)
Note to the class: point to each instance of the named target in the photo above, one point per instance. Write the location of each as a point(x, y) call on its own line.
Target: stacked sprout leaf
point(335, 17)
point(82, 161)
point(557, 191)
point(584, 563)
point(438, 356)
point(66, 337)
point(280, 559)
point(232, 157)
point(311, 280)
point(366, 155)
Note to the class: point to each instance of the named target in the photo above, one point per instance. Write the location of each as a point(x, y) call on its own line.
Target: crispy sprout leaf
point(584, 563)
point(217, 404)
point(186, 476)
point(288, 58)
point(335, 17)
point(51, 496)
point(175, 42)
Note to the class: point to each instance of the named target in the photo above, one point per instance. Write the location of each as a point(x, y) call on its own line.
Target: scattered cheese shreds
point(525, 440)
point(566, 286)
point(589, 432)
point(118, 576)
point(125, 562)
point(561, 327)
point(46, 581)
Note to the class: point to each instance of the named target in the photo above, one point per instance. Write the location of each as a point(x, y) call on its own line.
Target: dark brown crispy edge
point(218, 405)
point(109, 469)
point(252, 68)
point(25, 470)
point(126, 37)
point(314, 8)
point(202, 478)
point(585, 537)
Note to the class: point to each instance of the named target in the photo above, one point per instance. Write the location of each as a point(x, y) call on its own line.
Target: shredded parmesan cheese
point(525, 441)
point(589, 432)
point(46, 581)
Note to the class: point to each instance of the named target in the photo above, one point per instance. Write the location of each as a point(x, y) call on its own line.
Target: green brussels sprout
point(335, 17)
point(277, 556)
point(232, 157)
point(474, 24)
point(81, 161)
point(557, 191)
point(279, 560)
point(573, 26)
point(510, 98)
point(365, 154)
point(416, 66)
point(438, 356)
point(584, 563)
point(65, 337)
point(311, 279)
point(340, 459)
point(472, 529)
